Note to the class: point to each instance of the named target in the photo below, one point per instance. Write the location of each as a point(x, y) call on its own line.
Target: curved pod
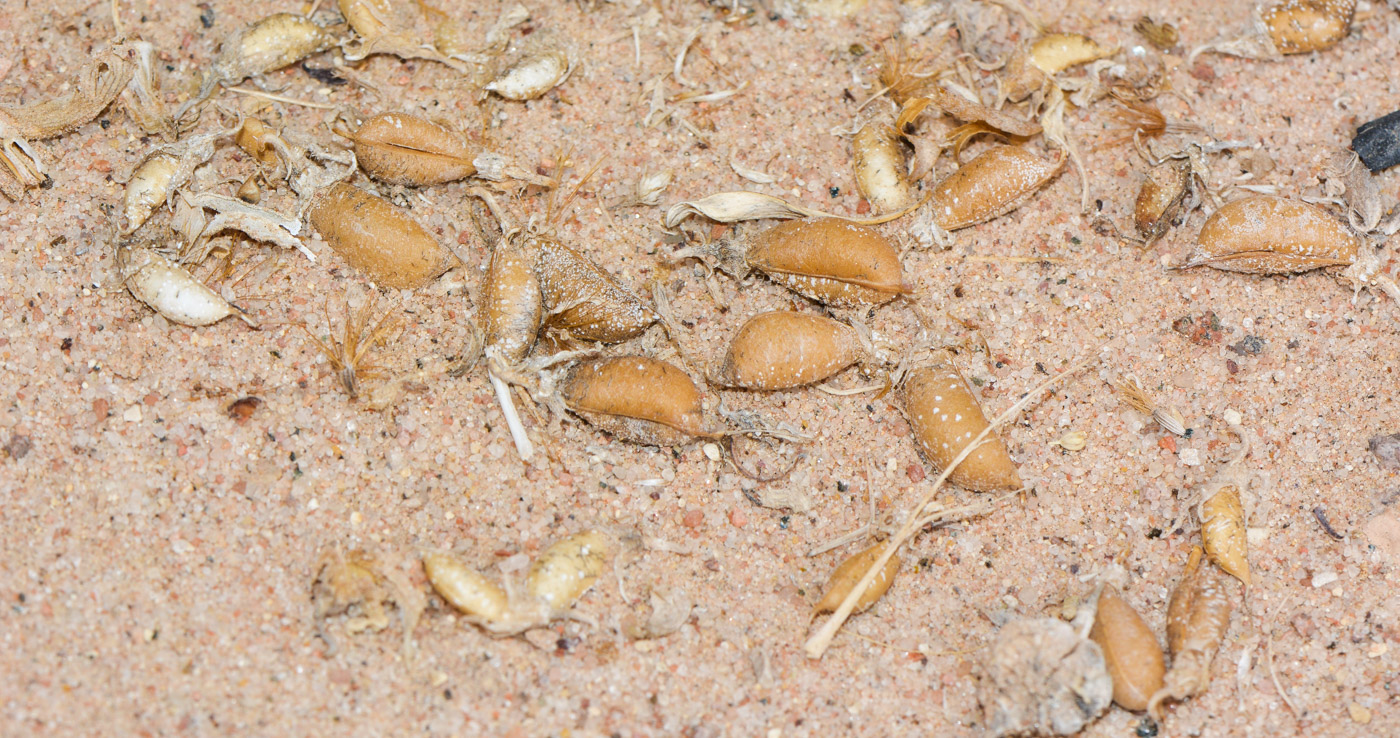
point(378, 238)
point(994, 183)
point(637, 399)
point(1272, 235)
point(945, 417)
point(404, 149)
point(784, 349)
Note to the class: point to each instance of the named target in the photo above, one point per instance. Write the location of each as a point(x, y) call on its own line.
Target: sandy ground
point(158, 554)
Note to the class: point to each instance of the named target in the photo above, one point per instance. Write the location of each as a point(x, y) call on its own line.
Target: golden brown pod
point(268, 45)
point(378, 238)
point(1198, 617)
point(637, 399)
point(405, 149)
point(465, 588)
point(848, 575)
point(254, 138)
point(512, 306)
point(1131, 651)
point(832, 261)
point(586, 301)
point(1055, 52)
point(1300, 26)
point(1158, 205)
point(785, 349)
point(879, 165)
point(1223, 532)
point(994, 183)
point(944, 416)
point(565, 570)
point(1263, 234)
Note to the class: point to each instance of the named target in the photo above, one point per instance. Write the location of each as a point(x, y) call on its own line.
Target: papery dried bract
point(1040, 677)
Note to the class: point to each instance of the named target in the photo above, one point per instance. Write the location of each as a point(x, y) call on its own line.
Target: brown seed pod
point(584, 300)
point(1198, 616)
point(964, 109)
point(512, 305)
point(1300, 26)
point(268, 45)
point(994, 183)
point(944, 415)
point(465, 588)
point(565, 570)
point(254, 137)
point(405, 149)
point(1160, 202)
point(785, 349)
point(880, 172)
point(1055, 52)
point(848, 575)
point(1223, 532)
point(1131, 651)
point(832, 261)
point(1263, 234)
point(637, 399)
point(378, 238)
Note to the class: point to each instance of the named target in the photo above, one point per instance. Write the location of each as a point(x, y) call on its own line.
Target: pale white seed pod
point(880, 170)
point(564, 571)
point(532, 76)
point(169, 289)
point(148, 188)
point(465, 588)
point(650, 187)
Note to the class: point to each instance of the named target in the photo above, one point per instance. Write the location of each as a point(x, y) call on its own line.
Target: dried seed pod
point(848, 575)
point(267, 45)
point(369, 18)
point(1055, 52)
point(465, 588)
point(785, 349)
point(255, 138)
point(944, 415)
point(565, 570)
point(169, 289)
point(1223, 532)
point(637, 399)
point(148, 188)
point(1162, 35)
point(1300, 26)
point(994, 183)
point(1130, 650)
point(584, 300)
point(832, 261)
point(405, 149)
point(880, 171)
point(964, 109)
point(1198, 617)
point(512, 304)
point(1263, 234)
point(536, 73)
point(361, 585)
point(1159, 204)
point(378, 238)
point(1041, 677)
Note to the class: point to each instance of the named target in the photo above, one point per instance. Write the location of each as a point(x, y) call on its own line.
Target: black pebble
point(1378, 142)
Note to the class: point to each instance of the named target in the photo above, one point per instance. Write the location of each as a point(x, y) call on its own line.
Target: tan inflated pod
point(465, 588)
point(785, 349)
point(848, 575)
point(1263, 234)
point(1055, 52)
point(1223, 532)
point(994, 183)
point(378, 238)
point(637, 399)
point(148, 188)
point(832, 261)
point(1300, 26)
point(584, 300)
point(944, 416)
point(369, 18)
point(534, 74)
point(169, 289)
point(1198, 617)
point(881, 176)
point(512, 306)
point(268, 45)
point(565, 570)
point(405, 149)
point(254, 138)
point(1159, 203)
point(1130, 650)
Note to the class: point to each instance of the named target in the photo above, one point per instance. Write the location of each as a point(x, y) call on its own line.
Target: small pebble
point(1358, 713)
point(693, 519)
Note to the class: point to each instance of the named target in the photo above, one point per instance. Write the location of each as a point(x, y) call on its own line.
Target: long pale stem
point(523, 446)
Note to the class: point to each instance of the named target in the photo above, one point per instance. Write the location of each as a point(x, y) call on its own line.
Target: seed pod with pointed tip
point(832, 261)
point(148, 188)
point(1130, 650)
point(880, 171)
point(1263, 234)
point(465, 588)
point(1223, 532)
point(637, 399)
point(369, 18)
point(512, 307)
point(169, 289)
point(254, 138)
point(945, 417)
point(378, 237)
point(1198, 617)
point(268, 45)
point(533, 75)
point(1300, 26)
point(785, 349)
point(1159, 202)
point(565, 570)
point(994, 183)
point(405, 149)
point(1055, 52)
point(586, 301)
point(848, 575)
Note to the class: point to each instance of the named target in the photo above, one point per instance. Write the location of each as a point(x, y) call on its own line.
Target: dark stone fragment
point(1378, 142)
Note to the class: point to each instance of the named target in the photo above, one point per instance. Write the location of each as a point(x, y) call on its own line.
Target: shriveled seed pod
point(848, 575)
point(944, 415)
point(253, 137)
point(512, 305)
point(994, 183)
point(169, 289)
point(1055, 52)
point(1198, 617)
point(1223, 532)
point(785, 349)
point(268, 45)
point(533, 75)
point(565, 570)
point(148, 188)
point(832, 261)
point(465, 588)
point(1159, 202)
point(880, 172)
point(637, 399)
point(405, 149)
point(378, 238)
point(1300, 26)
point(369, 18)
point(586, 301)
point(1131, 651)
point(1263, 234)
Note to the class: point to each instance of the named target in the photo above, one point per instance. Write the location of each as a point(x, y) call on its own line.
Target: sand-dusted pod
point(560, 575)
point(994, 183)
point(277, 41)
point(583, 300)
point(881, 173)
point(170, 290)
point(637, 399)
point(539, 69)
point(471, 592)
point(849, 573)
point(1167, 194)
point(1134, 658)
point(378, 238)
point(944, 416)
point(406, 149)
point(1198, 616)
point(512, 308)
point(1029, 69)
point(1289, 27)
point(785, 349)
point(1264, 234)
